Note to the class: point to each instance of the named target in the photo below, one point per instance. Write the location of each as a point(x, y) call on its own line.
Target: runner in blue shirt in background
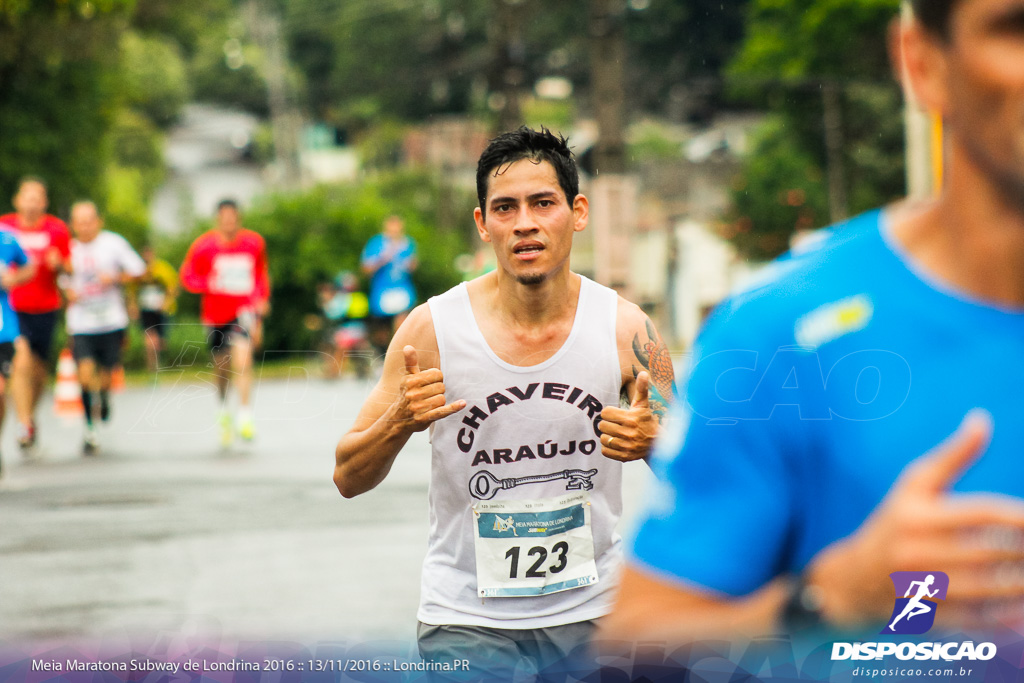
point(388, 260)
point(859, 411)
point(15, 271)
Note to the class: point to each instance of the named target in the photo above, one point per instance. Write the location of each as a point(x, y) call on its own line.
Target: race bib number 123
point(534, 547)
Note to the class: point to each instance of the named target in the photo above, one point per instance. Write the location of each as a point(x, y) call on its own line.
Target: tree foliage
point(800, 39)
point(83, 97)
point(58, 92)
point(787, 76)
point(769, 211)
point(408, 60)
point(184, 22)
point(678, 51)
point(153, 77)
point(397, 58)
point(239, 83)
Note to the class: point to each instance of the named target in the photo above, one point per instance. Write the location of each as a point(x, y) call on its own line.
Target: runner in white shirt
point(518, 374)
point(96, 316)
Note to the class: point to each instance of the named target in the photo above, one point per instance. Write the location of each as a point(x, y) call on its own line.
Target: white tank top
point(526, 441)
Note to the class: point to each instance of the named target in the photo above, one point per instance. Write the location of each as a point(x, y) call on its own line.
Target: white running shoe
point(91, 442)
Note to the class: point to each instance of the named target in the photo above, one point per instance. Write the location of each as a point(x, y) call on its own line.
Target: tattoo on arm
point(653, 356)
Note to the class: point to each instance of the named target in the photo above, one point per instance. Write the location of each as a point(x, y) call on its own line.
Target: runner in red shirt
point(46, 241)
point(228, 267)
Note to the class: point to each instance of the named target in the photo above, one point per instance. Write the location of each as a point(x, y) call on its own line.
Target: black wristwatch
point(802, 609)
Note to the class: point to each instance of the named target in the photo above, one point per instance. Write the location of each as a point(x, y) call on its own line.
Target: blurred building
point(451, 144)
point(323, 159)
point(208, 157)
point(707, 268)
point(679, 266)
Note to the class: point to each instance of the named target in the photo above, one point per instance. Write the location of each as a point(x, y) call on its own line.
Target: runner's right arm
point(261, 286)
point(166, 273)
point(18, 275)
point(407, 399)
point(195, 270)
point(20, 268)
point(58, 256)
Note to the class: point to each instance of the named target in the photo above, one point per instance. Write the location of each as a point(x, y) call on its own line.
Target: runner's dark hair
point(935, 15)
point(526, 143)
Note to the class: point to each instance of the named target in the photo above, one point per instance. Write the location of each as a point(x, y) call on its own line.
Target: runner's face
point(227, 220)
point(985, 88)
point(393, 228)
point(528, 220)
point(85, 222)
point(30, 202)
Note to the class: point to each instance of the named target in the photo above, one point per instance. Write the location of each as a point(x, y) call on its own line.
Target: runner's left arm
point(195, 269)
point(261, 292)
point(648, 383)
point(412, 261)
point(20, 268)
point(170, 280)
point(58, 256)
point(132, 265)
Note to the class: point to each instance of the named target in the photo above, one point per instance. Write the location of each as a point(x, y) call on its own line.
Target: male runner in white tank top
point(519, 375)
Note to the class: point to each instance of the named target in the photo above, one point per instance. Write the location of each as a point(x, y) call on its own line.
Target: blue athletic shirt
point(10, 253)
point(807, 396)
point(391, 288)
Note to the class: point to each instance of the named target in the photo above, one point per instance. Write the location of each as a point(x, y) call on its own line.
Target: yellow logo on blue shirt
point(834, 320)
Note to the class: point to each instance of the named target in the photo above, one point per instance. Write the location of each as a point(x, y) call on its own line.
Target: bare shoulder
point(634, 333)
point(629, 320)
point(417, 331)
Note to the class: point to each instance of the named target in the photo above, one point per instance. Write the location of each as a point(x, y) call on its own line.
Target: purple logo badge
point(914, 612)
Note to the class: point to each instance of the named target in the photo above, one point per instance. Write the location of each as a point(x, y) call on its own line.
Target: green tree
point(800, 39)
point(767, 210)
point(58, 92)
point(133, 174)
point(185, 22)
point(226, 69)
point(401, 59)
point(153, 77)
point(677, 53)
point(786, 76)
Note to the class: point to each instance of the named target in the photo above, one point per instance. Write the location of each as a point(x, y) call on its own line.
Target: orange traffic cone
point(67, 395)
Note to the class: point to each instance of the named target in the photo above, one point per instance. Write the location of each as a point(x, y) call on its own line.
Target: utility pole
point(833, 122)
point(607, 78)
point(265, 28)
point(508, 55)
point(613, 193)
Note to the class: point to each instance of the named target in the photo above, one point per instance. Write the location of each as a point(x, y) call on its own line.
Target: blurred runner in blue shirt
point(831, 432)
point(14, 270)
point(388, 260)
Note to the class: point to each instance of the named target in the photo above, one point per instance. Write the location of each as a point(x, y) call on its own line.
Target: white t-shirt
point(100, 307)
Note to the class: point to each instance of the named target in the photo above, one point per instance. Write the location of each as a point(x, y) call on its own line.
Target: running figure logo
point(914, 613)
point(505, 524)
